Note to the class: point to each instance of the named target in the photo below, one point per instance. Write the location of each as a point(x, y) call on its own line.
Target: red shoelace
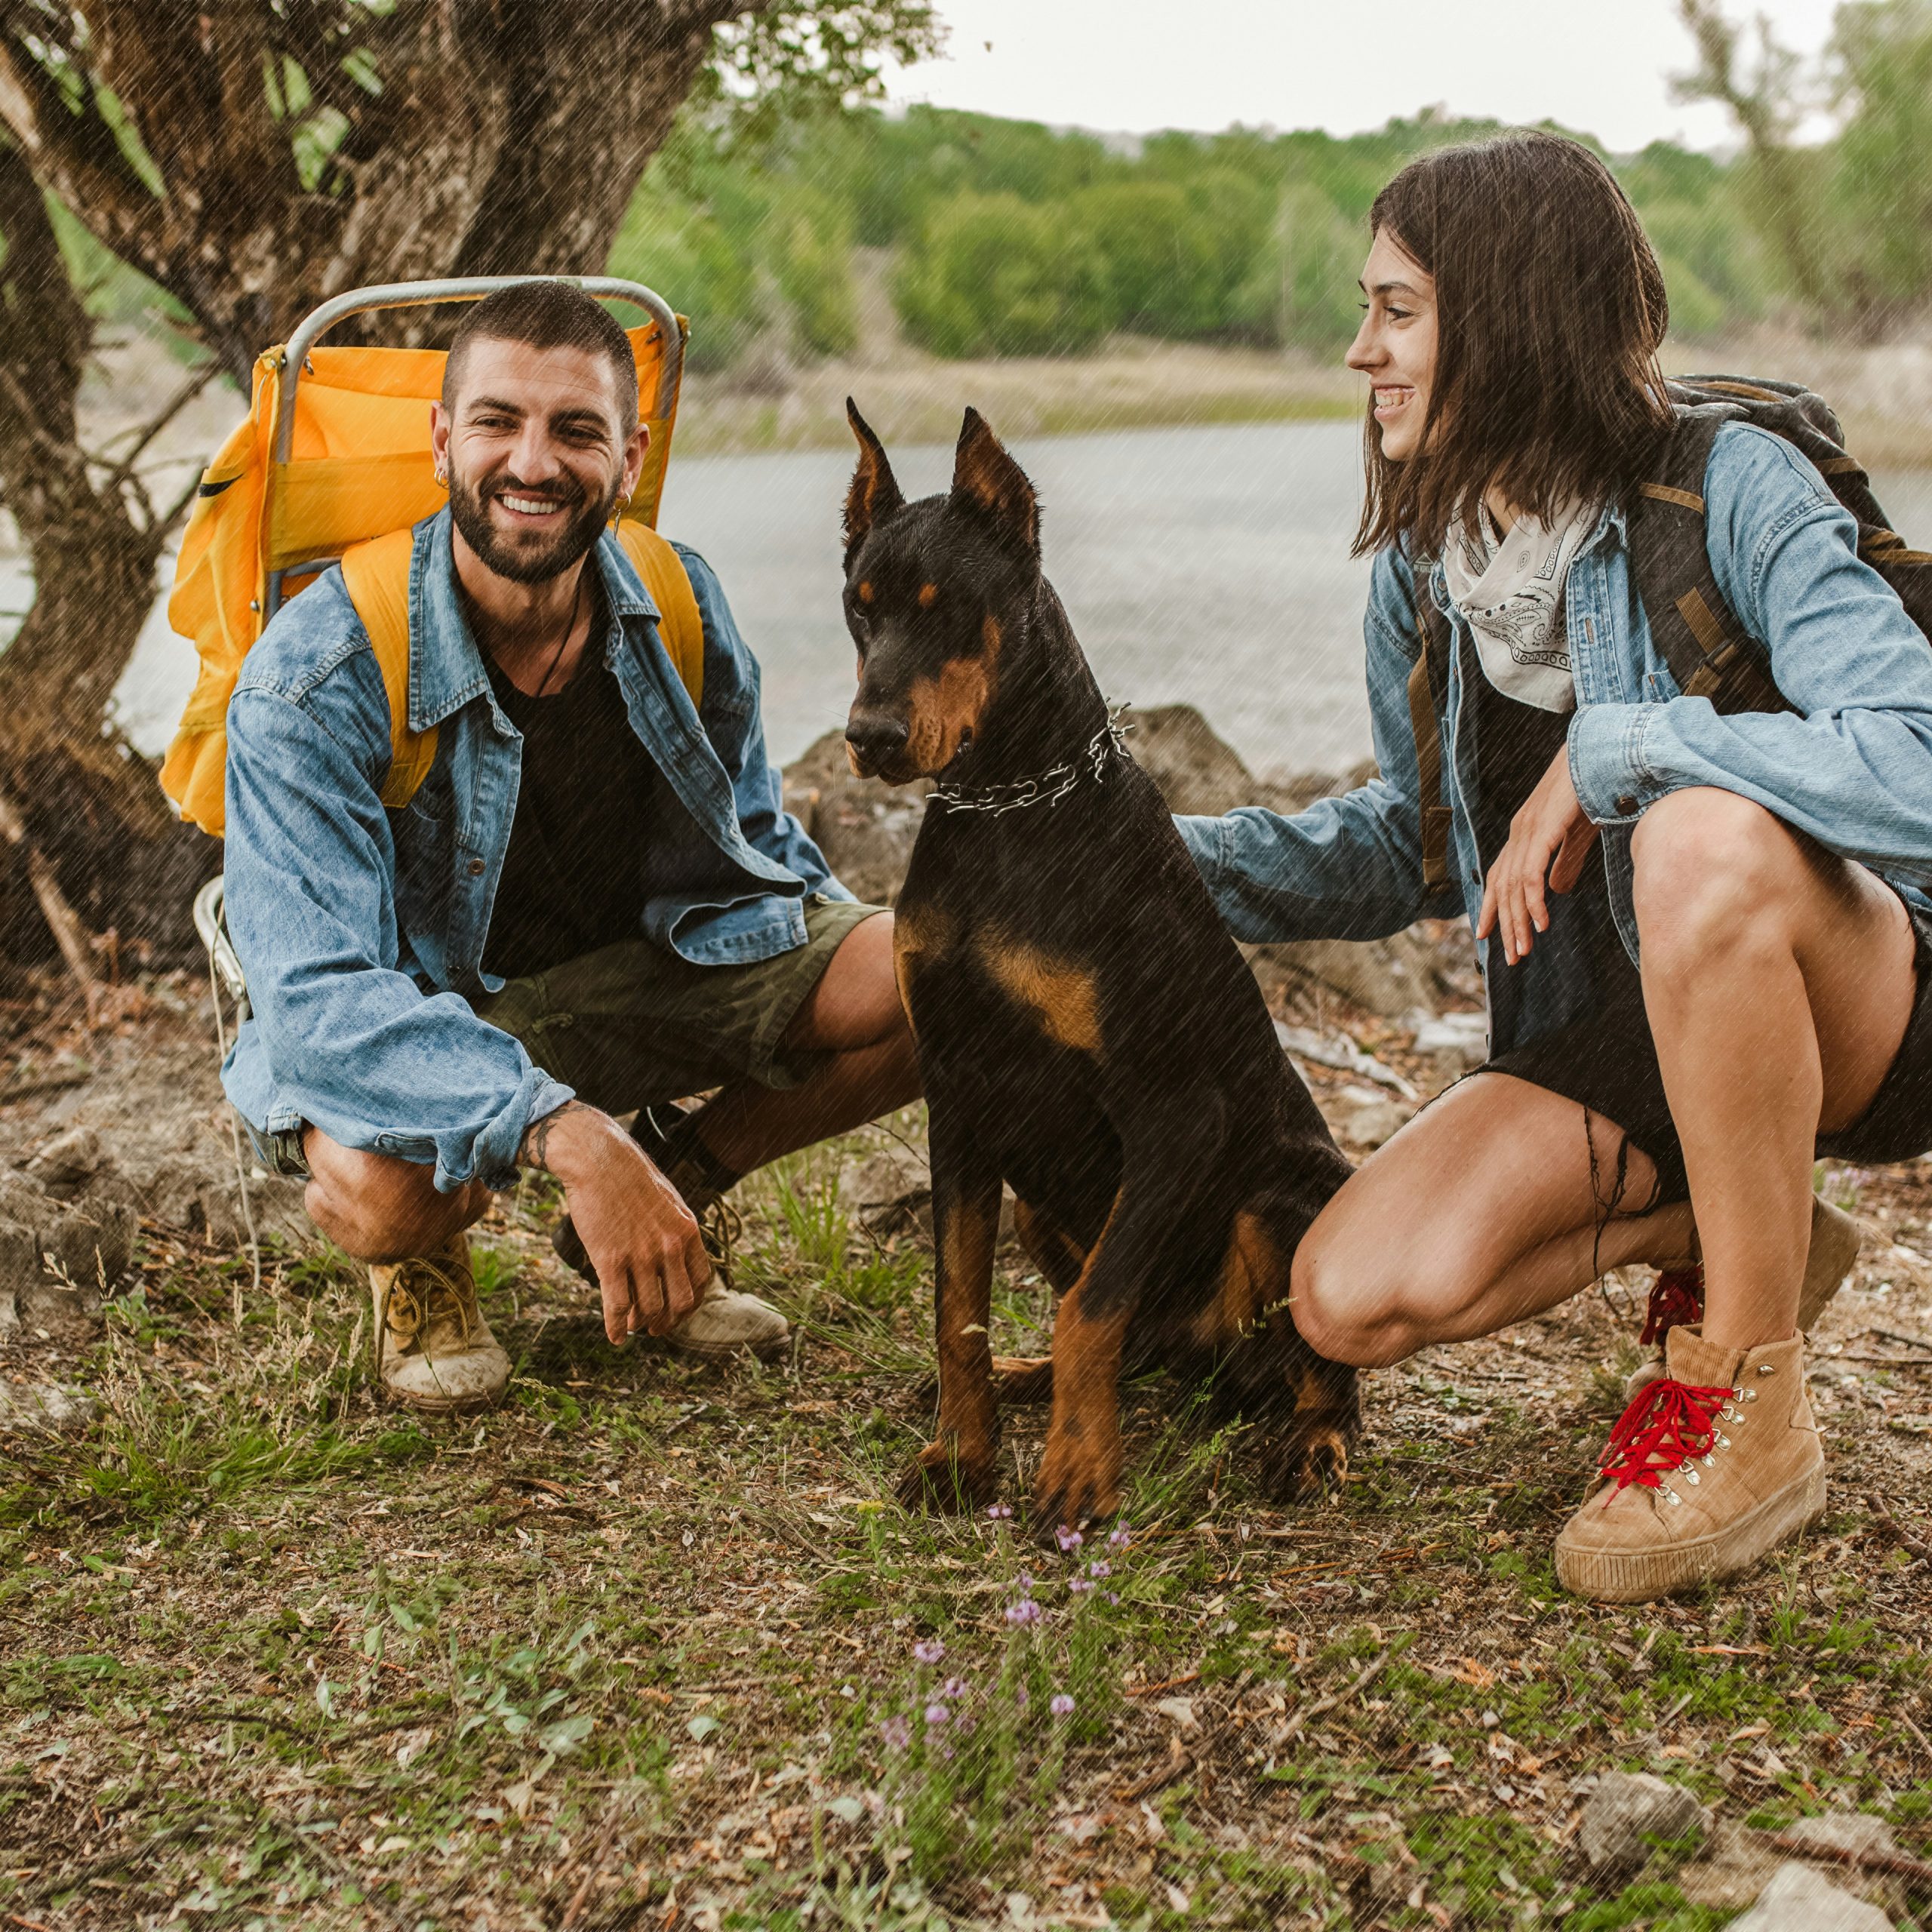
point(1677, 1298)
point(1668, 1423)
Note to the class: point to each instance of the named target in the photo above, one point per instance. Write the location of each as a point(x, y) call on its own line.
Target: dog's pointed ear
point(874, 494)
point(988, 480)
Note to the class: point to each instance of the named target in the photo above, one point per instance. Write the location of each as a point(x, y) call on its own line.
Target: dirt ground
point(651, 1646)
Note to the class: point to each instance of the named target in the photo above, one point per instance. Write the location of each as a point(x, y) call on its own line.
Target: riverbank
point(1883, 395)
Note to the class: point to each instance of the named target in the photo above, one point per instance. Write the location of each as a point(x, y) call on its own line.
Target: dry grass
point(628, 1651)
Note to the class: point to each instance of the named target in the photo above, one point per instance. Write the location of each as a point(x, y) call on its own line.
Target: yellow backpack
point(354, 476)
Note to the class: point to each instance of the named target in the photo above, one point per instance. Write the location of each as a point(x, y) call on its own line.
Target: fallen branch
point(1899, 1534)
point(1893, 1864)
point(1180, 1759)
point(1322, 1706)
point(62, 921)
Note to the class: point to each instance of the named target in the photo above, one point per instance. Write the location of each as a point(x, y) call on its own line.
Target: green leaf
point(563, 1737)
point(701, 1728)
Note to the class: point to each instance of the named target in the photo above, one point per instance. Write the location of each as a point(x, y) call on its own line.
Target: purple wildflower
point(1079, 1585)
point(1025, 1583)
point(929, 1652)
point(1024, 1612)
point(1019, 1698)
point(1099, 1567)
point(1113, 1596)
point(1122, 1536)
point(1068, 1538)
point(1061, 1705)
point(897, 1732)
point(937, 1714)
point(999, 1512)
point(954, 1688)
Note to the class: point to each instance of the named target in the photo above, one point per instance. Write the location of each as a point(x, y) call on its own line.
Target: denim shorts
point(1608, 1064)
point(633, 1025)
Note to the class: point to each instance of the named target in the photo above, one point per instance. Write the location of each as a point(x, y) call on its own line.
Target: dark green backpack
point(1710, 652)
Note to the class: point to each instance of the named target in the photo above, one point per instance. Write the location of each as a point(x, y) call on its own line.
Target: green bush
point(1175, 255)
point(989, 275)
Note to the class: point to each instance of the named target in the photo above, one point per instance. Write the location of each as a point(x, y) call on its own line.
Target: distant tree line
point(1010, 237)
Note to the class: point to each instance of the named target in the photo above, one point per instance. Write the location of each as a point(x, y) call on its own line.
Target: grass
point(651, 1645)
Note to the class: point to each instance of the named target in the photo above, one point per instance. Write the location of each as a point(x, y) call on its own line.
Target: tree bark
point(92, 558)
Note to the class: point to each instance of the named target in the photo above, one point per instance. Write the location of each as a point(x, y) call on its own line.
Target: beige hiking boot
point(1709, 1469)
point(434, 1351)
point(1677, 1296)
point(724, 1320)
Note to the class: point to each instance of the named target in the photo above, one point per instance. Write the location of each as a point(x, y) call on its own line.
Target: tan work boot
point(1709, 1469)
point(434, 1351)
point(1677, 1296)
point(724, 1320)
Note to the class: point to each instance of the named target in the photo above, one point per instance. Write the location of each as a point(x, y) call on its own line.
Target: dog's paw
point(1073, 1489)
point(1312, 1463)
point(941, 1478)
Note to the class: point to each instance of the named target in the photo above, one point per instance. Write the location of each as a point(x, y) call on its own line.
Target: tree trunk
point(91, 809)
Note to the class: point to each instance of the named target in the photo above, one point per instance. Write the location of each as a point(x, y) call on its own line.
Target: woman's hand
point(1549, 825)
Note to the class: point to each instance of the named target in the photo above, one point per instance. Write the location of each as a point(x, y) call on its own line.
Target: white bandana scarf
point(1509, 590)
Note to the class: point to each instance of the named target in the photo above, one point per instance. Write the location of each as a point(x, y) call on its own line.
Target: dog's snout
point(874, 738)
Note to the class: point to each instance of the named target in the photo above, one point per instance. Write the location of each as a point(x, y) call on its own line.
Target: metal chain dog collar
point(1042, 788)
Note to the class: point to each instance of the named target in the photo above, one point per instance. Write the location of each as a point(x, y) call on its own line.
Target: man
point(595, 902)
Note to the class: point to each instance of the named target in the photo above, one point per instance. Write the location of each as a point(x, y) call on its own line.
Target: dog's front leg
point(955, 1470)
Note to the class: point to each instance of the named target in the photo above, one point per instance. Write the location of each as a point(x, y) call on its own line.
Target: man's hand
point(1550, 826)
point(640, 1237)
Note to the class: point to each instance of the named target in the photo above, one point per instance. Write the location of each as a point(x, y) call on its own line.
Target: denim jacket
point(1852, 766)
point(361, 930)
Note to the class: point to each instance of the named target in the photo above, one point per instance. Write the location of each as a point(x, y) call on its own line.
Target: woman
point(1707, 946)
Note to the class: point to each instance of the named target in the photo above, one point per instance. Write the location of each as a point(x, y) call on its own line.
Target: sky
point(1599, 67)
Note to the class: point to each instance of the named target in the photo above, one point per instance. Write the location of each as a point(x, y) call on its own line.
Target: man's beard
point(527, 563)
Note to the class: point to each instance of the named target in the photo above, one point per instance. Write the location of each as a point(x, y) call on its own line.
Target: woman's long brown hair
point(1550, 309)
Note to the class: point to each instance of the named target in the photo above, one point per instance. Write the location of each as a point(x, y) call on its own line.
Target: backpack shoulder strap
point(1430, 674)
point(1710, 652)
point(376, 575)
point(680, 629)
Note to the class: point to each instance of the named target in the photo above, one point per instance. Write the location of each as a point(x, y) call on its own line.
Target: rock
point(1389, 976)
point(1361, 1119)
point(64, 1165)
point(202, 1195)
point(889, 1193)
point(1177, 748)
point(1340, 1052)
point(1461, 1037)
point(865, 828)
point(46, 1405)
point(276, 1201)
point(1845, 1830)
point(57, 1259)
point(1798, 1899)
point(1629, 1813)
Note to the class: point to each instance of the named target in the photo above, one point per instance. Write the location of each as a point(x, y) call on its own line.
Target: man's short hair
point(547, 315)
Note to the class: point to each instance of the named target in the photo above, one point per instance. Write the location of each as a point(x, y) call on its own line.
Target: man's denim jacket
point(1853, 766)
point(361, 930)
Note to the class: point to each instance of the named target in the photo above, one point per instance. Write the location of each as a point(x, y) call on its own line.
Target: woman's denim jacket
point(361, 930)
point(1852, 766)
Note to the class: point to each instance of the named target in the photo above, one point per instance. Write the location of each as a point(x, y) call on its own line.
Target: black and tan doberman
point(1087, 1031)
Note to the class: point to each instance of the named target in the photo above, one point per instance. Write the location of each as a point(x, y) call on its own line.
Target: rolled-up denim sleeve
point(734, 722)
point(1349, 867)
point(1852, 765)
point(355, 1047)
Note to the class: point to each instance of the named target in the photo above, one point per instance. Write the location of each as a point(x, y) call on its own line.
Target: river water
point(1203, 565)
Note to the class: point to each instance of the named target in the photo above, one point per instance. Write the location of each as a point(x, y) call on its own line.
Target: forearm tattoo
point(536, 1149)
